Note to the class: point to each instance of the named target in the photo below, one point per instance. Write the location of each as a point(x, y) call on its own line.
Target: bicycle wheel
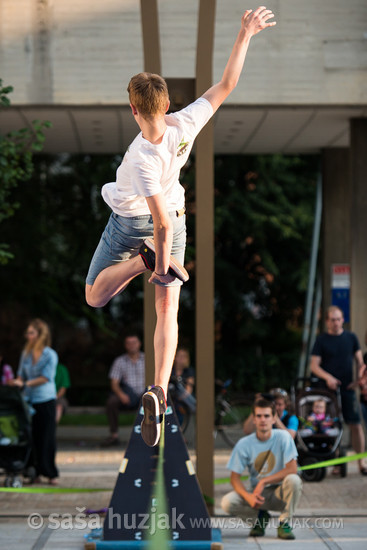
point(230, 419)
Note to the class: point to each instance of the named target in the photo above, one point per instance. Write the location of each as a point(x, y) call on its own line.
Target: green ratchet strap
point(333, 462)
point(53, 490)
point(324, 464)
point(219, 481)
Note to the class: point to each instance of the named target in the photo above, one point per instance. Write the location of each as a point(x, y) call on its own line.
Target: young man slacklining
point(146, 229)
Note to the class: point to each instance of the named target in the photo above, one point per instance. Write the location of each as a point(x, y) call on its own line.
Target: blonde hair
point(148, 93)
point(43, 338)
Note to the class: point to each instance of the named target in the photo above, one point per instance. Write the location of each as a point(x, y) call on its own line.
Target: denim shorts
point(123, 237)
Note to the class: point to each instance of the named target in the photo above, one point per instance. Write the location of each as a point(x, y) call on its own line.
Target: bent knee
point(230, 503)
point(95, 303)
point(91, 299)
point(293, 479)
point(226, 504)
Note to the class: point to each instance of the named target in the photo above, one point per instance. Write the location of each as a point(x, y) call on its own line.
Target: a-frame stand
point(128, 517)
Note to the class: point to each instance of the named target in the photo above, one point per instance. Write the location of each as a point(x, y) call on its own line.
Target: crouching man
point(270, 457)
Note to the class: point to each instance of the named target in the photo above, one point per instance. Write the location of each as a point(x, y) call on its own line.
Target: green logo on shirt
point(182, 147)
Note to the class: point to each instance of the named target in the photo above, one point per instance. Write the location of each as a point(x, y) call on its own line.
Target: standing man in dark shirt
point(332, 360)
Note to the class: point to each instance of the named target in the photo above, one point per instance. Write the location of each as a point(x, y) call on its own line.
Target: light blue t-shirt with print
point(262, 458)
point(45, 366)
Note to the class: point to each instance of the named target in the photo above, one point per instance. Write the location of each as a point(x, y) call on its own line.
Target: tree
point(16, 163)
point(263, 227)
point(263, 224)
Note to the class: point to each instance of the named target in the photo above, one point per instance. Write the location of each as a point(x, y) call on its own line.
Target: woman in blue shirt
point(36, 374)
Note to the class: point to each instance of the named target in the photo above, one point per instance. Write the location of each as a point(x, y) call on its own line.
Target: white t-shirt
point(148, 169)
point(262, 458)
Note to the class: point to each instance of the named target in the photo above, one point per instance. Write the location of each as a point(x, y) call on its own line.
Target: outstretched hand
point(255, 21)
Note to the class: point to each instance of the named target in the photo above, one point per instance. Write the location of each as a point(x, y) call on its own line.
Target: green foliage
point(54, 234)
point(16, 163)
point(95, 419)
point(263, 225)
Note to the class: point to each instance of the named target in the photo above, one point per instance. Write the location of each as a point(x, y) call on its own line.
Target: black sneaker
point(147, 252)
point(154, 405)
point(262, 520)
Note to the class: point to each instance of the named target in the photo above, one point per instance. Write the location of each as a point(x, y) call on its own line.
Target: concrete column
point(151, 42)
point(40, 72)
point(205, 261)
point(152, 64)
point(358, 241)
point(336, 215)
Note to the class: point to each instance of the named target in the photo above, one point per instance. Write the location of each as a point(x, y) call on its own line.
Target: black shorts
point(350, 407)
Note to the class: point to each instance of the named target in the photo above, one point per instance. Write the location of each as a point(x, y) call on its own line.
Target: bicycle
point(229, 415)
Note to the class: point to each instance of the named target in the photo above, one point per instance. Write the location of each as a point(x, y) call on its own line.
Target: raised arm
point(252, 22)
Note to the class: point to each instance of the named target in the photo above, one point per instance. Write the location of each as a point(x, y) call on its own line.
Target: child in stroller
point(318, 421)
point(15, 437)
point(321, 428)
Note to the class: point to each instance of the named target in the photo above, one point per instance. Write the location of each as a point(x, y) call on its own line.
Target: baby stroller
point(15, 437)
point(317, 447)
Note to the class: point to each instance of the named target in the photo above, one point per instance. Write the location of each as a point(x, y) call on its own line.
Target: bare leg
point(113, 280)
point(166, 333)
point(59, 409)
point(357, 440)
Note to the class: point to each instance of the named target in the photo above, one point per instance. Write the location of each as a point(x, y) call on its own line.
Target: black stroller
point(315, 446)
point(15, 437)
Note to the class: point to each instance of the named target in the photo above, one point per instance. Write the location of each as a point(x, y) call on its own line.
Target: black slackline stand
point(126, 524)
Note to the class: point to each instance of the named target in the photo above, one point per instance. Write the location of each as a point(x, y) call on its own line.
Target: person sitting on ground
point(62, 381)
point(271, 459)
point(318, 422)
point(182, 371)
point(127, 376)
point(284, 419)
point(182, 380)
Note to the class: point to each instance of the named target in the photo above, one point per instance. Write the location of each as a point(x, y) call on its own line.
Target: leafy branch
point(16, 163)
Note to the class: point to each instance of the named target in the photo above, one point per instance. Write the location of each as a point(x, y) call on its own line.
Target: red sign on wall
point(340, 276)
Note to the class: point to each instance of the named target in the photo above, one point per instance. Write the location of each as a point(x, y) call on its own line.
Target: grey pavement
point(331, 514)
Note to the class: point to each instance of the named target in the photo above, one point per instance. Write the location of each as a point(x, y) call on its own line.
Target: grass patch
point(126, 419)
